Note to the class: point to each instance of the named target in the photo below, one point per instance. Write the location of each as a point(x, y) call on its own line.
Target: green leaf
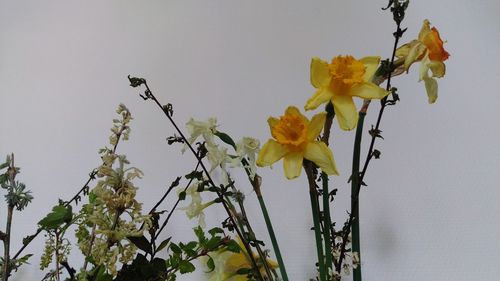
point(101, 274)
point(163, 244)
point(210, 265)
point(57, 217)
point(27, 239)
point(244, 271)
point(92, 197)
point(175, 248)
point(233, 246)
point(4, 165)
point(213, 243)
point(215, 230)
point(3, 178)
point(159, 264)
point(195, 175)
point(186, 267)
point(200, 235)
point(141, 242)
point(182, 195)
point(191, 245)
point(226, 138)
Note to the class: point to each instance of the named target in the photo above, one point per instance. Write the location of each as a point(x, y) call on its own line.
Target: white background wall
point(430, 211)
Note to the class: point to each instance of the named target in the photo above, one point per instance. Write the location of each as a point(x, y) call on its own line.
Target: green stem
point(6, 259)
point(327, 222)
point(315, 213)
point(270, 229)
point(12, 171)
point(355, 186)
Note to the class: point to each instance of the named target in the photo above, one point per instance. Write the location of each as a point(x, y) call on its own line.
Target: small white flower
point(217, 157)
point(248, 147)
point(203, 129)
point(196, 207)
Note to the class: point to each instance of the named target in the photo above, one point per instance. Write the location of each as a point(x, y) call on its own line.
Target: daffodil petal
point(237, 261)
point(371, 65)
point(368, 91)
point(415, 53)
point(424, 69)
point(426, 28)
point(437, 68)
point(322, 156)
point(345, 111)
point(320, 74)
point(272, 121)
point(431, 87)
point(292, 110)
point(315, 126)
point(292, 164)
point(322, 95)
point(403, 50)
point(271, 152)
point(240, 277)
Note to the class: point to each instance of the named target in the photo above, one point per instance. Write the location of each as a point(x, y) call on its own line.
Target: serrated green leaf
point(200, 235)
point(215, 230)
point(213, 243)
point(58, 216)
point(186, 267)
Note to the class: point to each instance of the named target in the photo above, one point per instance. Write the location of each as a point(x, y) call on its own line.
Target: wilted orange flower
point(429, 50)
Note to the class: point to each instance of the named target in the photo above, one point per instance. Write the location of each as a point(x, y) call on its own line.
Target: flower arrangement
point(121, 241)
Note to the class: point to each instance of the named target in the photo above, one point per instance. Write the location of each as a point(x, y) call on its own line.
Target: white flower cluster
point(220, 160)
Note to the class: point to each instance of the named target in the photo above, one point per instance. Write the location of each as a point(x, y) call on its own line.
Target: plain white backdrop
point(431, 208)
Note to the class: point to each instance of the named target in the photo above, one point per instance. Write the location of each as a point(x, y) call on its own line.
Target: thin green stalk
point(270, 229)
point(12, 171)
point(315, 213)
point(355, 186)
point(6, 259)
point(327, 222)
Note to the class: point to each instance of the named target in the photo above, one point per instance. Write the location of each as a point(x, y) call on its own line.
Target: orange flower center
point(434, 45)
point(291, 130)
point(345, 71)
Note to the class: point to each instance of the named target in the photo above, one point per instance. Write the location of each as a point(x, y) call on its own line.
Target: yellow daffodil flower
point(339, 81)
point(295, 139)
point(228, 263)
point(429, 50)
